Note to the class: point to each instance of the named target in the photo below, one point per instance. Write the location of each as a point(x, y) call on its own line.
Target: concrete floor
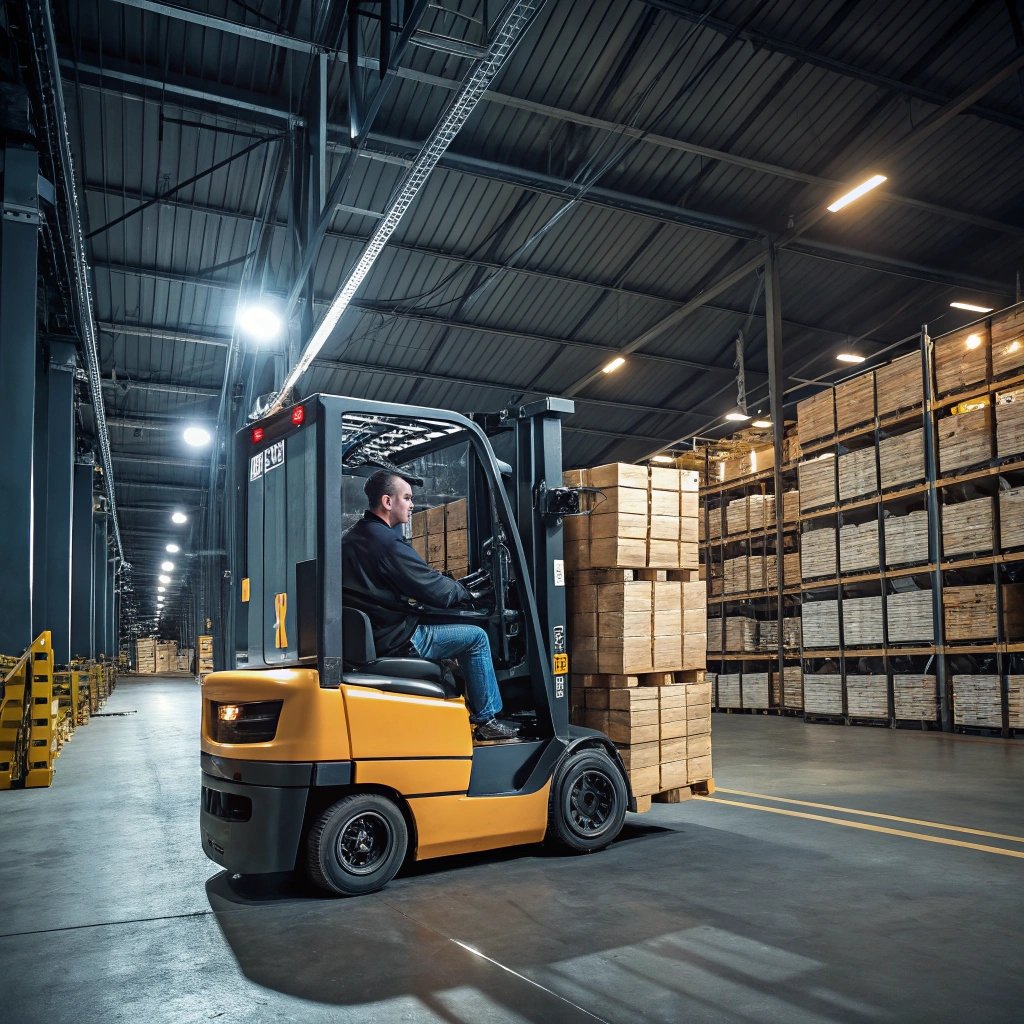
point(703, 911)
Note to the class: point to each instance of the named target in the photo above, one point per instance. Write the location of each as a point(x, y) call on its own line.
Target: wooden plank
point(977, 701)
point(867, 696)
point(858, 474)
point(964, 439)
point(916, 697)
point(1011, 518)
point(901, 459)
point(755, 690)
point(729, 690)
point(906, 539)
point(970, 611)
point(862, 621)
point(961, 359)
point(815, 417)
point(899, 385)
point(823, 694)
point(817, 554)
point(909, 616)
point(1010, 427)
point(967, 527)
point(820, 623)
point(1008, 342)
point(817, 483)
point(855, 401)
point(858, 546)
point(792, 687)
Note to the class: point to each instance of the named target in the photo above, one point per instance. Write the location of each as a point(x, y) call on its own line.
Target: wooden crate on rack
point(820, 623)
point(761, 511)
point(915, 697)
point(729, 690)
point(855, 401)
point(961, 359)
point(1011, 518)
point(977, 701)
point(792, 632)
point(757, 571)
point(909, 616)
point(858, 474)
point(862, 621)
point(1008, 343)
point(858, 546)
point(964, 439)
point(816, 417)
point(817, 483)
point(817, 554)
point(1015, 700)
point(901, 459)
point(736, 517)
point(970, 612)
point(790, 566)
point(906, 539)
point(792, 687)
point(1010, 427)
point(790, 506)
point(736, 575)
point(823, 694)
point(867, 696)
point(899, 385)
point(740, 633)
point(755, 690)
point(967, 527)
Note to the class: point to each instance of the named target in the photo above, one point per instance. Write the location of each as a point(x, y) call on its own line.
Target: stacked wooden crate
point(740, 633)
point(816, 417)
point(440, 536)
point(204, 666)
point(1011, 517)
point(818, 554)
point(858, 474)
point(961, 359)
point(790, 568)
point(792, 687)
point(716, 633)
point(899, 385)
point(1007, 339)
point(1010, 424)
point(909, 616)
point(166, 655)
point(906, 539)
point(967, 527)
point(901, 459)
point(823, 694)
point(858, 546)
point(646, 519)
point(790, 506)
point(145, 655)
point(867, 696)
point(729, 690)
point(817, 483)
point(855, 401)
point(916, 697)
point(736, 575)
point(970, 612)
point(977, 701)
point(964, 439)
point(862, 621)
point(755, 690)
point(184, 660)
point(820, 623)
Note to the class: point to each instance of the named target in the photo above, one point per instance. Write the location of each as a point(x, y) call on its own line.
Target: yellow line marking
point(869, 828)
point(875, 814)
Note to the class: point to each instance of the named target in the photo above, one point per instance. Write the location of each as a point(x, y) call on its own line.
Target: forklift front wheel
point(588, 802)
point(357, 845)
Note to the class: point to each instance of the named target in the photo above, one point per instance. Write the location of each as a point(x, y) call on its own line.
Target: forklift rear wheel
point(357, 845)
point(588, 802)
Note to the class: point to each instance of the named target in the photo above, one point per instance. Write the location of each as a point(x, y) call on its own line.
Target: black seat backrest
point(357, 637)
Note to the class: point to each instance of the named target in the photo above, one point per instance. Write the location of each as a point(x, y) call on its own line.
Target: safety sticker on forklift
point(559, 572)
point(273, 457)
point(256, 467)
point(561, 664)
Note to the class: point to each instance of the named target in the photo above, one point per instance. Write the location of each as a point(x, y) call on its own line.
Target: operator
point(377, 559)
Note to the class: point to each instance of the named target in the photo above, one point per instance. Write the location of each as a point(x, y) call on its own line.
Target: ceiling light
point(761, 423)
point(164, 579)
point(179, 517)
point(160, 590)
point(850, 357)
point(172, 549)
point(613, 365)
point(973, 340)
point(662, 458)
point(873, 182)
point(970, 307)
point(259, 322)
point(196, 436)
point(737, 416)
point(167, 566)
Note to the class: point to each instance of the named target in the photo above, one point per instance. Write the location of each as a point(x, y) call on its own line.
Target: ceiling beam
point(157, 386)
point(162, 460)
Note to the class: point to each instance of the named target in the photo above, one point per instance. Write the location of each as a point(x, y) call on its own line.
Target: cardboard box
point(455, 515)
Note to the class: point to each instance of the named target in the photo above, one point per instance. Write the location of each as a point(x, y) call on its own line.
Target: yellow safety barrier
point(29, 712)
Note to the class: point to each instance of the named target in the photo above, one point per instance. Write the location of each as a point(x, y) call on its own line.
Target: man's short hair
point(382, 482)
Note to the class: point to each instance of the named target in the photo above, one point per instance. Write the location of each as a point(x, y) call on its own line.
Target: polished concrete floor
point(740, 908)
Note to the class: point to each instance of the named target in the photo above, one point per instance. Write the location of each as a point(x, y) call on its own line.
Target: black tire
point(588, 802)
point(357, 845)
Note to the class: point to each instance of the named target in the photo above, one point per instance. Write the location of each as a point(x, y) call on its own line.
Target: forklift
point(320, 753)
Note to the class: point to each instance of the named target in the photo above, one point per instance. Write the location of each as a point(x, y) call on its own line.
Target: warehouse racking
point(910, 531)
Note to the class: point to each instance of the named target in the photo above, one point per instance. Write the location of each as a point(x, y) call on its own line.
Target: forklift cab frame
point(397, 734)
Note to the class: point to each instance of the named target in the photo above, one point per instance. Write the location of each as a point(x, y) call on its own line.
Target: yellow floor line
point(875, 814)
point(868, 828)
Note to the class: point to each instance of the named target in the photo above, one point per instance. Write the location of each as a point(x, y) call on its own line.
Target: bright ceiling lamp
point(160, 590)
point(761, 423)
point(179, 518)
point(973, 341)
point(164, 579)
point(259, 322)
point(737, 416)
point(167, 566)
point(172, 549)
point(662, 458)
point(850, 357)
point(970, 307)
point(518, 19)
point(197, 437)
point(854, 194)
point(613, 365)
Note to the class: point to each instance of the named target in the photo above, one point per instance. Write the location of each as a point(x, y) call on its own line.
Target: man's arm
point(414, 578)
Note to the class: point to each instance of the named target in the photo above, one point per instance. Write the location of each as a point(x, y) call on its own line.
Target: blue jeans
point(471, 648)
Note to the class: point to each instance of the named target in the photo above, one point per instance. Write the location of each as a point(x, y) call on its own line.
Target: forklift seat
point(415, 676)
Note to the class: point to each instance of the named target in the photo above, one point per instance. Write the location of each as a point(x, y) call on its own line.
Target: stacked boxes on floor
point(166, 655)
point(204, 664)
point(441, 537)
point(638, 624)
point(145, 655)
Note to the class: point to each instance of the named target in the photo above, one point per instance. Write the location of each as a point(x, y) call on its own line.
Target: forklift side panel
point(267, 841)
point(417, 777)
point(395, 725)
point(312, 722)
point(447, 825)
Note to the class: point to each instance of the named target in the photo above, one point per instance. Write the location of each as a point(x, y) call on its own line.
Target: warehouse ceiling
point(629, 156)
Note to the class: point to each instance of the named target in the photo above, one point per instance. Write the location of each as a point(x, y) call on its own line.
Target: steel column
point(19, 231)
point(83, 609)
point(99, 581)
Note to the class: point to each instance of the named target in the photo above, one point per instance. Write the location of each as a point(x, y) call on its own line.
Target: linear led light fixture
point(737, 416)
point(850, 357)
point(613, 365)
point(970, 307)
point(761, 423)
point(462, 105)
point(873, 182)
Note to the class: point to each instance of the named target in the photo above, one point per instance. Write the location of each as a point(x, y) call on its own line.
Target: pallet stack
point(166, 655)
point(440, 536)
point(145, 655)
point(638, 625)
point(204, 665)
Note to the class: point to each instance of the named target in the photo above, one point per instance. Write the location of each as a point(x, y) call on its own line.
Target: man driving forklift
point(379, 562)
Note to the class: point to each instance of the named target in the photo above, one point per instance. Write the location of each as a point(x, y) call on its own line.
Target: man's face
point(399, 505)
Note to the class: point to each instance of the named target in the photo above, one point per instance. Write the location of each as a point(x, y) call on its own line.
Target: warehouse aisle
point(703, 911)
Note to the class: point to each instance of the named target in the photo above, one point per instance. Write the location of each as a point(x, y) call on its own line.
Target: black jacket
point(378, 561)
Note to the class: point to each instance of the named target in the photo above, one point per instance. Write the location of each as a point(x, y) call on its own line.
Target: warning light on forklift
point(229, 712)
point(257, 435)
point(298, 414)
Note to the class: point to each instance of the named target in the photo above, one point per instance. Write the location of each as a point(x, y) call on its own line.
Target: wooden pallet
point(906, 539)
point(899, 385)
point(681, 794)
point(901, 459)
point(857, 474)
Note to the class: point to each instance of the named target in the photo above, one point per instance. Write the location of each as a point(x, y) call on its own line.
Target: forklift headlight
point(252, 722)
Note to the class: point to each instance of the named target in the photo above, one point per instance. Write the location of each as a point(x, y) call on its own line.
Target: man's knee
point(476, 638)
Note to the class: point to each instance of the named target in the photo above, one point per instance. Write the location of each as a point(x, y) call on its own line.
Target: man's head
point(389, 496)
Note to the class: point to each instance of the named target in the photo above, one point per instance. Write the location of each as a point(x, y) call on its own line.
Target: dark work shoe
point(495, 730)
